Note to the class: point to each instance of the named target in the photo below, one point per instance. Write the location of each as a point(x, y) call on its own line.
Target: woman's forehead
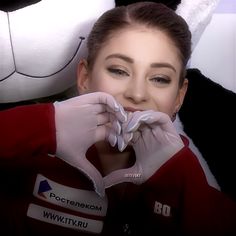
point(141, 42)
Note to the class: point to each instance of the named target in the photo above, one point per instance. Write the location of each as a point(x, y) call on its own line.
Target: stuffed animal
point(38, 60)
point(41, 45)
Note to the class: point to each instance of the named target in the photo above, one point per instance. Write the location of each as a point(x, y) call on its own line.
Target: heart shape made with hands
point(151, 134)
point(154, 140)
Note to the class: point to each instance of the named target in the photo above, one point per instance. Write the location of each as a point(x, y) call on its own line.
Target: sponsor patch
point(63, 219)
point(79, 200)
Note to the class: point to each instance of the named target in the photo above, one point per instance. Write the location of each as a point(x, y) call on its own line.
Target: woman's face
point(140, 67)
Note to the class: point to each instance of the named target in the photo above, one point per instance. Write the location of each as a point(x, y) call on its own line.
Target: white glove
point(83, 121)
point(155, 141)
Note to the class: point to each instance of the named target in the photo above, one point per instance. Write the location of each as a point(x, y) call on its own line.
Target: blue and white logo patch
point(78, 200)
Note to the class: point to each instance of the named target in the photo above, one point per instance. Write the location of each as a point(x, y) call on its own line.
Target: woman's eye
point(118, 72)
point(160, 80)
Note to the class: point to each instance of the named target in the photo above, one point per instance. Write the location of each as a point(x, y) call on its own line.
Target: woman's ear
point(181, 95)
point(83, 77)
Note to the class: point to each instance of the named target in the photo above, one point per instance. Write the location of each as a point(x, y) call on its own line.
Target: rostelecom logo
point(43, 187)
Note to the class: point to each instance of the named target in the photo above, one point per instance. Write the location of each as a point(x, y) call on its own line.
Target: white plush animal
point(40, 46)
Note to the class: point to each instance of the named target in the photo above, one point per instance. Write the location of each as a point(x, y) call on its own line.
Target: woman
point(154, 184)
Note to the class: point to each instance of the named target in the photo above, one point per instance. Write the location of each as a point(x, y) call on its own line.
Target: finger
point(110, 102)
point(112, 139)
point(102, 133)
point(115, 124)
point(121, 144)
point(127, 137)
point(105, 133)
point(135, 138)
point(121, 115)
point(106, 118)
point(107, 99)
point(136, 120)
point(94, 175)
point(150, 118)
point(92, 110)
point(103, 118)
point(158, 117)
point(100, 98)
point(96, 98)
point(164, 121)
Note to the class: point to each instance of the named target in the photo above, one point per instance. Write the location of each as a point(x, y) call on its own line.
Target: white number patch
point(162, 209)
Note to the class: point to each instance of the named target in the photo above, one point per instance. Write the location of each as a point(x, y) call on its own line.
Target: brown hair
point(150, 14)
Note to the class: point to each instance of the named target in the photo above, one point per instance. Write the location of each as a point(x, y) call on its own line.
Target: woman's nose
point(136, 91)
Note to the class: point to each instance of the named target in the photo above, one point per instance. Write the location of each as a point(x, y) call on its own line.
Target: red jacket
point(42, 195)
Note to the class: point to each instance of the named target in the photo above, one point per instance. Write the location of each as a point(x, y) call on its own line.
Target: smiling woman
point(144, 53)
point(131, 85)
point(145, 78)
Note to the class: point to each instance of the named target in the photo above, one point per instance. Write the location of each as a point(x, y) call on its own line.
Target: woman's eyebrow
point(130, 60)
point(163, 64)
point(120, 56)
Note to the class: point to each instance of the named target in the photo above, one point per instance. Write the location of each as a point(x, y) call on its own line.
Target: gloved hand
point(155, 141)
point(82, 121)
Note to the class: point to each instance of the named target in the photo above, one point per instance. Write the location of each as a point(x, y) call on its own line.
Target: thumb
point(93, 174)
point(123, 175)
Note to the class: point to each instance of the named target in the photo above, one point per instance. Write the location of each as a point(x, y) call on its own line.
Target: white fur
point(198, 14)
